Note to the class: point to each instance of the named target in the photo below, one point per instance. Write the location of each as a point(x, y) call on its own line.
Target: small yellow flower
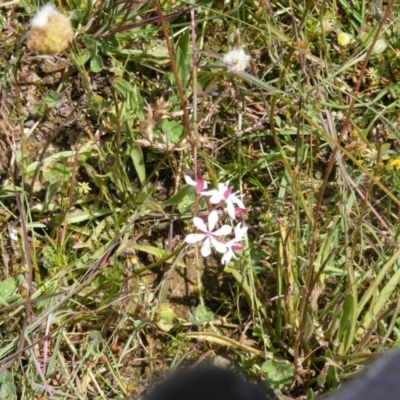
point(361, 148)
point(373, 74)
point(83, 188)
point(344, 39)
point(395, 164)
point(133, 260)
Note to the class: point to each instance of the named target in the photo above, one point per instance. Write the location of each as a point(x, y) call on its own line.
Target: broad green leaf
point(366, 34)
point(187, 201)
point(123, 87)
point(7, 288)
point(200, 316)
point(138, 161)
point(52, 99)
point(332, 378)
point(90, 43)
point(166, 316)
point(83, 57)
point(93, 347)
point(177, 198)
point(81, 216)
point(154, 251)
point(278, 373)
point(51, 191)
point(183, 58)
point(344, 334)
point(161, 53)
point(310, 394)
point(8, 390)
point(96, 64)
point(173, 130)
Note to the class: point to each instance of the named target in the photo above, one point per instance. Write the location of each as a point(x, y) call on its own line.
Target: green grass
point(99, 293)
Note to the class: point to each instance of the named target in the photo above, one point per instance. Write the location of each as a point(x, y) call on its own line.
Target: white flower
point(234, 245)
point(208, 234)
point(224, 193)
point(236, 60)
point(199, 186)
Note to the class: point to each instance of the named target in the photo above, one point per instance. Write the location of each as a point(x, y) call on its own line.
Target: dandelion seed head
point(50, 31)
point(236, 60)
point(44, 14)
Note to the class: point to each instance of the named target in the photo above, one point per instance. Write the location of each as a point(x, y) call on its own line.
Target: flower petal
point(212, 220)
point(216, 198)
point(239, 203)
point(219, 246)
point(206, 248)
point(194, 238)
point(237, 246)
point(199, 224)
point(189, 180)
point(224, 230)
point(231, 209)
point(228, 256)
point(228, 193)
point(240, 211)
point(240, 232)
point(201, 185)
point(211, 192)
point(223, 187)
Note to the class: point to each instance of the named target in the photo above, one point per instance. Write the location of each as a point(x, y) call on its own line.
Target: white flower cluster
point(236, 60)
point(224, 195)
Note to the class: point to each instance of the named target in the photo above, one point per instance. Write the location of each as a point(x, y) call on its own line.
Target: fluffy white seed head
point(43, 15)
point(50, 31)
point(236, 60)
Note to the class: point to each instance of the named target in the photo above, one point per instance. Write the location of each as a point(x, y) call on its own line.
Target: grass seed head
point(50, 31)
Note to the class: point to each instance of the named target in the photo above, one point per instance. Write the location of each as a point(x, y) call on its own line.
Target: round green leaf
point(96, 64)
point(52, 99)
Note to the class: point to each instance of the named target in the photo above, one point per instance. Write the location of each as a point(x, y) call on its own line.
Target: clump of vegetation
point(99, 289)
